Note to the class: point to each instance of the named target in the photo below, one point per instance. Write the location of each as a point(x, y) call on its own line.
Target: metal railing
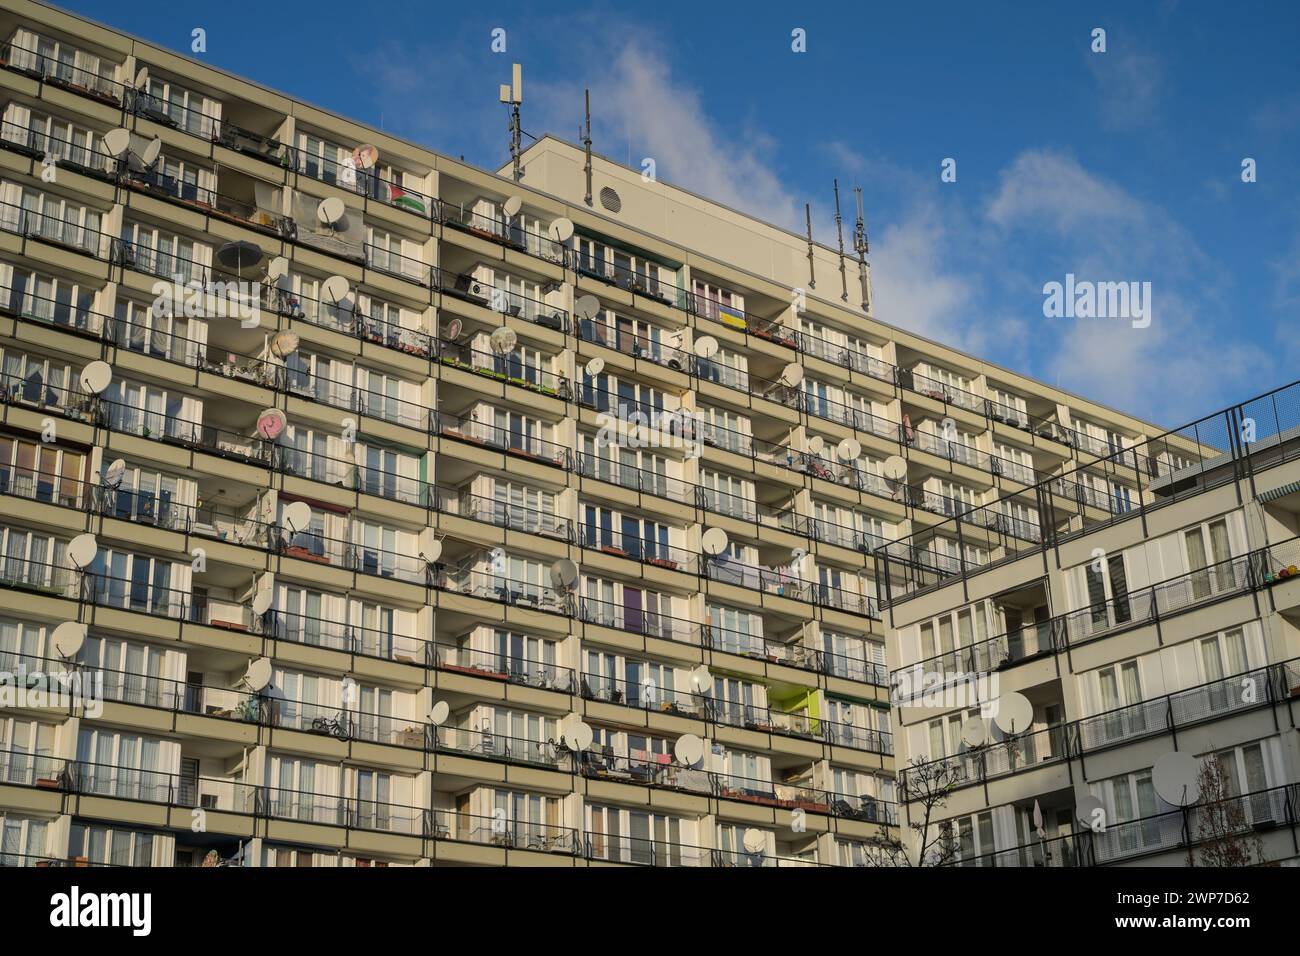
point(502, 231)
point(1016, 754)
point(60, 72)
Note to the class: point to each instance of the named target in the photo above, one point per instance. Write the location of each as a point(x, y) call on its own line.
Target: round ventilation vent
point(610, 199)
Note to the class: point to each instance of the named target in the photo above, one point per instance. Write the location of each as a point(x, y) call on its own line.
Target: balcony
point(503, 833)
point(992, 654)
point(39, 145)
point(364, 182)
point(505, 438)
point(643, 550)
point(501, 232)
point(486, 744)
point(506, 302)
point(358, 814)
point(1008, 757)
point(1062, 851)
point(640, 347)
point(401, 267)
point(62, 73)
point(850, 358)
point(469, 581)
point(507, 369)
point(643, 851)
point(644, 695)
point(507, 668)
point(57, 231)
point(940, 391)
point(636, 619)
point(630, 476)
point(383, 644)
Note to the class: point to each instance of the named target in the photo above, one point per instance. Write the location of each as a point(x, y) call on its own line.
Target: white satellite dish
point(792, 375)
point(82, 550)
point(262, 602)
point(1013, 713)
point(689, 750)
point(564, 573)
point(335, 289)
point(816, 444)
point(798, 554)
point(284, 344)
point(114, 473)
point(714, 541)
point(702, 680)
point(895, 468)
point(1090, 811)
point(706, 346)
point(277, 268)
point(562, 229)
point(594, 367)
point(68, 638)
point(1175, 778)
point(580, 736)
point(974, 732)
point(95, 377)
point(330, 210)
point(512, 205)
point(151, 152)
point(297, 516)
point(271, 424)
point(451, 331)
point(850, 449)
point(266, 582)
point(439, 712)
point(433, 553)
point(754, 840)
point(142, 78)
point(365, 156)
point(502, 341)
point(258, 675)
point(117, 142)
point(586, 307)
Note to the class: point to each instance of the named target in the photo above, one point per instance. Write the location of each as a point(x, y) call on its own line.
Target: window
point(111, 845)
point(22, 840)
point(1209, 561)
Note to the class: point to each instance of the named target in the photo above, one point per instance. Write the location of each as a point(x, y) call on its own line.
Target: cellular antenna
point(513, 95)
point(839, 233)
point(861, 246)
point(586, 145)
point(812, 273)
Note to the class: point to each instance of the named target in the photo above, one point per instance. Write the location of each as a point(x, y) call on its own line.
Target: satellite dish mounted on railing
point(502, 341)
point(114, 473)
point(330, 211)
point(792, 375)
point(452, 330)
point(82, 551)
point(754, 840)
point(562, 230)
point(1176, 778)
point(439, 713)
point(261, 603)
point(850, 449)
point(816, 445)
point(68, 639)
point(974, 732)
point(258, 676)
point(512, 205)
point(271, 424)
point(117, 142)
point(586, 308)
point(297, 516)
point(594, 367)
point(283, 344)
point(1013, 713)
point(335, 289)
point(706, 346)
point(689, 750)
point(564, 574)
point(895, 468)
point(142, 78)
point(277, 269)
point(702, 680)
point(430, 557)
point(365, 156)
point(714, 541)
point(96, 377)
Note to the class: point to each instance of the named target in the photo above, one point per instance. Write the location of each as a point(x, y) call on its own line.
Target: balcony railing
point(508, 439)
point(509, 369)
point(487, 744)
point(1062, 851)
point(1023, 752)
point(507, 302)
point(613, 543)
point(384, 644)
point(355, 813)
point(38, 144)
point(645, 695)
point(365, 182)
point(60, 72)
point(504, 832)
point(501, 231)
point(940, 391)
point(490, 586)
point(631, 476)
point(502, 514)
point(33, 224)
point(850, 358)
point(638, 620)
point(498, 666)
point(643, 281)
point(646, 348)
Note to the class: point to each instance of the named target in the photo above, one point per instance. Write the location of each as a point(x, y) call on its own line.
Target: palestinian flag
point(400, 197)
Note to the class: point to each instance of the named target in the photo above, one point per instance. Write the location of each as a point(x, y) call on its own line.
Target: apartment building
point(1170, 625)
point(308, 467)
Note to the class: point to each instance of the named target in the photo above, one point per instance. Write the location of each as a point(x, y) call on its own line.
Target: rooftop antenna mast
point(839, 233)
point(812, 273)
point(860, 244)
point(586, 145)
point(513, 95)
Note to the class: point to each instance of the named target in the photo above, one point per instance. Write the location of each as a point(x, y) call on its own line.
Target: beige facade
point(371, 569)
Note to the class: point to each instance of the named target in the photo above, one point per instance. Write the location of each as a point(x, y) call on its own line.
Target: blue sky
point(1115, 166)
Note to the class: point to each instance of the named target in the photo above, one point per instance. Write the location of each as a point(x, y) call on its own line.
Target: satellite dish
point(433, 553)
point(702, 680)
point(1090, 811)
point(1175, 777)
point(151, 152)
point(594, 367)
point(1014, 713)
point(331, 210)
point(142, 78)
point(512, 206)
point(754, 840)
point(262, 602)
point(451, 331)
point(689, 750)
point(816, 444)
point(365, 156)
point(439, 712)
point(241, 255)
point(850, 449)
point(502, 341)
point(117, 142)
point(68, 638)
point(1038, 818)
point(297, 516)
point(895, 468)
point(792, 375)
point(563, 574)
point(706, 346)
point(82, 550)
point(277, 268)
point(258, 674)
point(714, 541)
point(974, 732)
point(114, 473)
point(335, 289)
point(798, 554)
point(271, 423)
point(586, 307)
point(284, 344)
point(580, 736)
point(95, 377)
point(562, 229)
